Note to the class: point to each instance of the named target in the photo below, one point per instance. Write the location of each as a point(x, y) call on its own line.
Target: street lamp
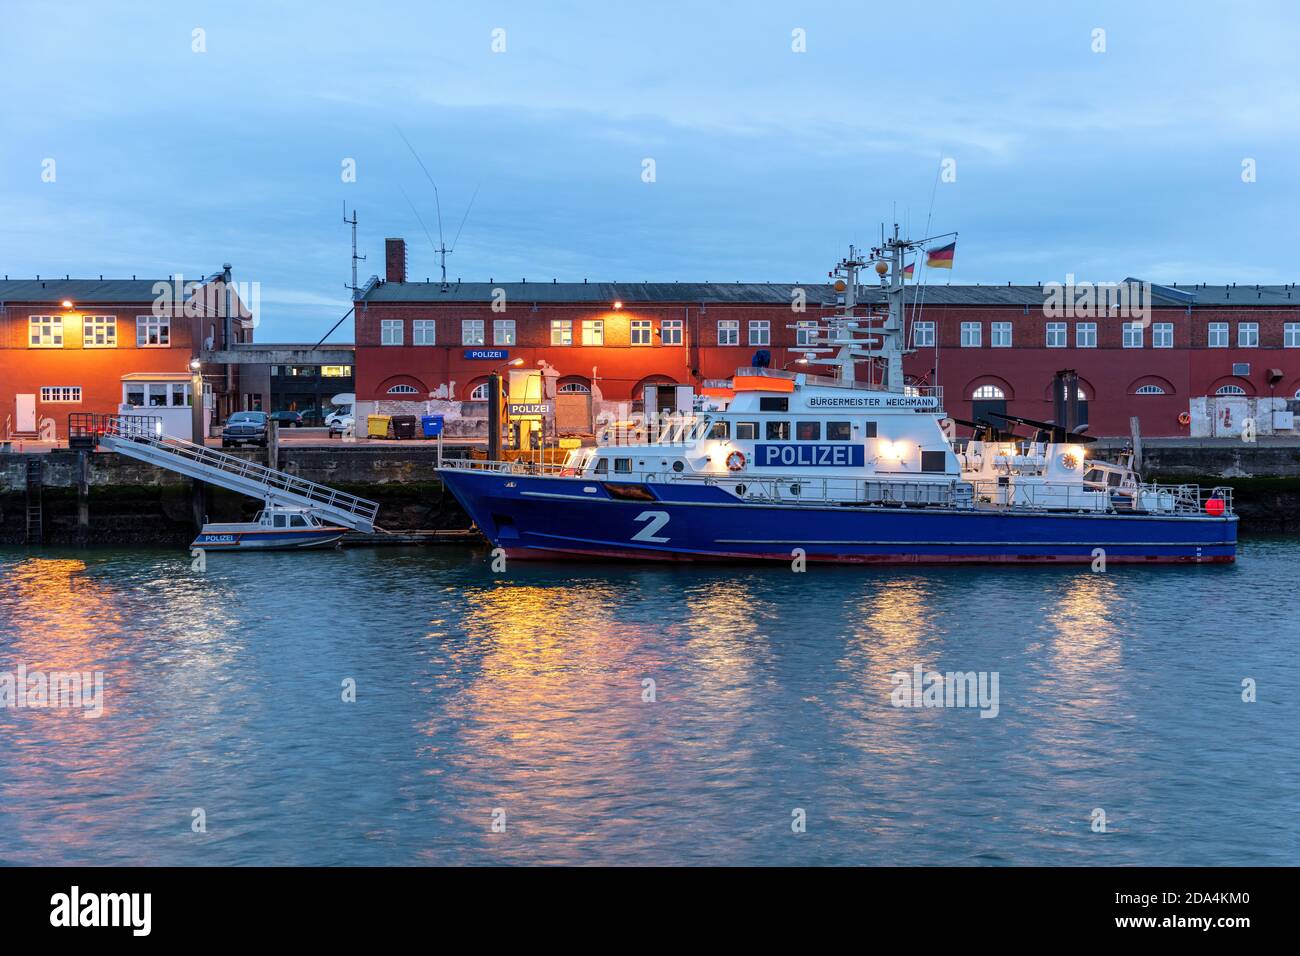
point(196, 401)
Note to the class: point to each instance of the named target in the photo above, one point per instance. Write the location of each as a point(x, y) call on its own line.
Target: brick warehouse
point(95, 345)
point(998, 350)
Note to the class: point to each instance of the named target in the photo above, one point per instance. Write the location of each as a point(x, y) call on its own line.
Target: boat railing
point(1073, 496)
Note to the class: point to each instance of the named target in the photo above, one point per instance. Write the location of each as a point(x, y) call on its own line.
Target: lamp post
point(494, 408)
point(196, 401)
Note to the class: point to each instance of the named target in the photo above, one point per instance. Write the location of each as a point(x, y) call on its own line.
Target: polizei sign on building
point(876, 401)
point(808, 456)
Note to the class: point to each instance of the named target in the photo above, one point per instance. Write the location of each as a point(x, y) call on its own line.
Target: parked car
point(244, 428)
point(287, 418)
point(339, 424)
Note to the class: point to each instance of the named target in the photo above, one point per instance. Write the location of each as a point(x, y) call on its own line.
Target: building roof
point(763, 293)
point(78, 290)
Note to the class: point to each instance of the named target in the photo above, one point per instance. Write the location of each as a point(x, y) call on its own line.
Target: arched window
point(480, 392)
point(988, 392)
point(574, 387)
point(1150, 390)
point(1230, 390)
point(403, 390)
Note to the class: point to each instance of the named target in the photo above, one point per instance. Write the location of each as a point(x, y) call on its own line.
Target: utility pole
point(355, 258)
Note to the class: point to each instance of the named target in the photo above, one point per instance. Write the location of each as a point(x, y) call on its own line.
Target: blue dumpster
point(432, 425)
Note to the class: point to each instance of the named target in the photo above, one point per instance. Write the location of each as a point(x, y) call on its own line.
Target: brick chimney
point(395, 260)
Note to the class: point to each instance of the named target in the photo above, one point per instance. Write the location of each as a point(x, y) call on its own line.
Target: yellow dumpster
point(377, 426)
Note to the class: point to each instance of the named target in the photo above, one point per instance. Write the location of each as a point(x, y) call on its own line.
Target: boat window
point(838, 431)
point(602, 466)
point(808, 431)
point(868, 429)
point(778, 431)
point(773, 404)
point(623, 466)
point(934, 461)
point(281, 521)
point(747, 430)
point(1112, 479)
point(721, 430)
point(298, 521)
point(701, 429)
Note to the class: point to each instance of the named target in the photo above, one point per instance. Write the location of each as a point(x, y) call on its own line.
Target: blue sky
point(768, 162)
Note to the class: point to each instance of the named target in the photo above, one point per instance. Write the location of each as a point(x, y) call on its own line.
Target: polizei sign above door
point(808, 456)
point(875, 401)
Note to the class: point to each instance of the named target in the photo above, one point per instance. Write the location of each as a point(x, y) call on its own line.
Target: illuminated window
point(1150, 390)
point(332, 371)
point(471, 332)
point(1218, 335)
point(153, 331)
point(1000, 335)
point(61, 393)
point(1056, 335)
point(1247, 335)
point(1162, 335)
point(424, 332)
point(403, 390)
point(670, 331)
point(46, 331)
point(729, 332)
point(760, 332)
point(972, 335)
point(561, 332)
point(503, 331)
point(641, 331)
point(923, 334)
point(99, 331)
point(1230, 390)
point(593, 331)
point(390, 332)
point(987, 392)
point(1085, 335)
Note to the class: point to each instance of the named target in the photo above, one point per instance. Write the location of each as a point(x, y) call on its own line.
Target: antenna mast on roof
point(355, 258)
point(441, 248)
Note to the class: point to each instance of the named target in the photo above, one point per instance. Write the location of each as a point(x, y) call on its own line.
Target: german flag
point(909, 270)
point(941, 258)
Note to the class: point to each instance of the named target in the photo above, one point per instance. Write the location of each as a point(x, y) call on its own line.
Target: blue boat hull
point(545, 517)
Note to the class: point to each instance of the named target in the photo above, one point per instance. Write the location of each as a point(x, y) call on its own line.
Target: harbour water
point(523, 700)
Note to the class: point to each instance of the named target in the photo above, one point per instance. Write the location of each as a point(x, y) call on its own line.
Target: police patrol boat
point(774, 464)
point(275, 528)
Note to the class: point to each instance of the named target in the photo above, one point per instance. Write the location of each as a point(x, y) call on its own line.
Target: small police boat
point(276, 528)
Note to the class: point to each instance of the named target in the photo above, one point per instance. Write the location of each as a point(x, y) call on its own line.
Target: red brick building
point(93, 345)
point(997, 347)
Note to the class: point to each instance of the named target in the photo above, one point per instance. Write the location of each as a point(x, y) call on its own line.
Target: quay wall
point(128, 502)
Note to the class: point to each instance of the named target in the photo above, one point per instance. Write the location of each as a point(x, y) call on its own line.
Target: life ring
point(736, 461)
point(1184, 418)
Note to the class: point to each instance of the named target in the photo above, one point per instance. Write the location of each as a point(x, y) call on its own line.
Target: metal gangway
point(141, 437)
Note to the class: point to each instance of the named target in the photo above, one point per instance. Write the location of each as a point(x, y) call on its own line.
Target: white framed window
point(1085, 335)
point(641, 332)
point(561, 332)
point(503, 331)
point(1247, 335)
point(390, 331)
point(805, 333)
point(424, 332)
point(62, 394)
point(404, 389)
point(99, 331)
point(1000, 335)
point(1291, 335)
point(760, 332)
point(972, 334)
point(593, 331)
point(1132, 335)
point(1218, 335)
point(45, 331)
point(1162, 337)
point(670, 331)
point(988, 392)
point(479, 393)
point(1229, 390)
point(471, 332)
point(153, 331)
point(923, 334)
point(1056, 332)
point(728, 331)
point(1150, 390)
point(573, 388)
